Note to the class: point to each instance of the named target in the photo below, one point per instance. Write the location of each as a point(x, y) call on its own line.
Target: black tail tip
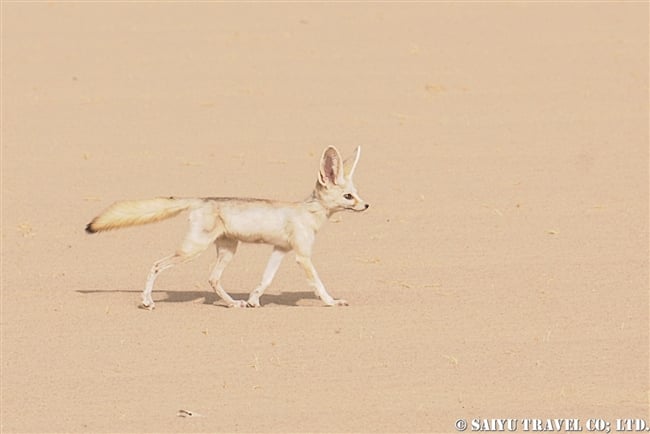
point(89, 228)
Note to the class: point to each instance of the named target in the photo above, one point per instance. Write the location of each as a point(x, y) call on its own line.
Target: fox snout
point(361, 206)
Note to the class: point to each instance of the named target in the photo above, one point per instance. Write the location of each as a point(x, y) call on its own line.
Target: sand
point(501, 271)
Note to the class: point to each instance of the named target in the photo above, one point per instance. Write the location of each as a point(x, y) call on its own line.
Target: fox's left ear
point(350, 163)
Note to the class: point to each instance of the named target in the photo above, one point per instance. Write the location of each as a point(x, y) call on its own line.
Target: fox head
point(335, 189)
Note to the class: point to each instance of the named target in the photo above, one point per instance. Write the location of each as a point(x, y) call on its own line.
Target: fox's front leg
point(271, 268)
point(313, 279)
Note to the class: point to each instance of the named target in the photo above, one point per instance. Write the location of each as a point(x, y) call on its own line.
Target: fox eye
point(348, 196)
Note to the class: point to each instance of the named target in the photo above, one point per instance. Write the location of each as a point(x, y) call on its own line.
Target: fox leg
point(269, 273)
point(203, 231)
point(226, 249)
point(313, 279)
point(158, 266)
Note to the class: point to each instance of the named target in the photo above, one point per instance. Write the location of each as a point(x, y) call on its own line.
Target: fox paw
point(147, 306)
point(239, 304)
point(338, 302)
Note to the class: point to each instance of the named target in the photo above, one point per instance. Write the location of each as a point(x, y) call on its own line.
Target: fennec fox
point(227, 221)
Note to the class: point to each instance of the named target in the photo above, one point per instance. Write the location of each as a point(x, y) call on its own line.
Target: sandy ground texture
point(501, 271)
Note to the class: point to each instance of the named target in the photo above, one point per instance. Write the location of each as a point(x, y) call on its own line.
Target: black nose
point(367, 205)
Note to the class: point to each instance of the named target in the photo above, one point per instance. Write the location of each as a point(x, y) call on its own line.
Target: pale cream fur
point(225, 222)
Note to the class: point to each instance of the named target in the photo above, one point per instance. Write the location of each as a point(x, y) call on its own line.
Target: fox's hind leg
point(203, 231)
point(158, 266)
point(226, 249)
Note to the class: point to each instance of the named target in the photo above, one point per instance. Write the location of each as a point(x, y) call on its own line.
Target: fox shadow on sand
point(289, 298)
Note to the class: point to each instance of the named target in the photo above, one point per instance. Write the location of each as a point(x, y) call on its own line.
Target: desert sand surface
point(500, 272)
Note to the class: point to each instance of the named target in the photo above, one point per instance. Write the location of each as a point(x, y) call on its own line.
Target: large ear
point(350, 163)
point(331, 167)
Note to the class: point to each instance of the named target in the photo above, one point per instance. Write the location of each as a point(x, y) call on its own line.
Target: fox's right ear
point(331, 167)
point(350, 163)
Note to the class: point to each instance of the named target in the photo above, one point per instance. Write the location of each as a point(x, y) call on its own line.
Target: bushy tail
point(137, 212)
